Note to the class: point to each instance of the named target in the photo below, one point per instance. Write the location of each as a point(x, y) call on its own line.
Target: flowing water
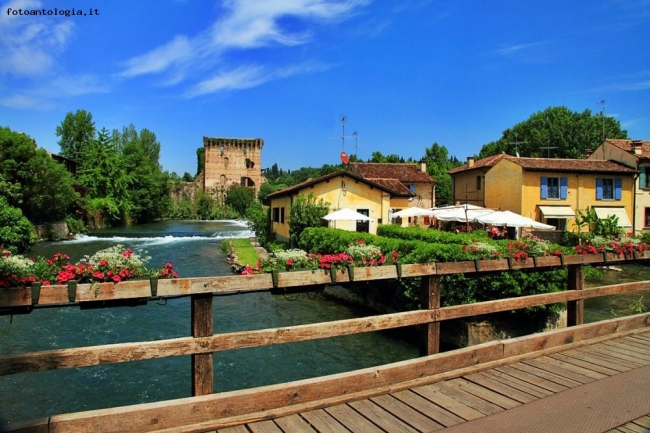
point(194, 249)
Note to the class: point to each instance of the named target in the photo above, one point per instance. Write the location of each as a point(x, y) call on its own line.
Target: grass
point(245, 252)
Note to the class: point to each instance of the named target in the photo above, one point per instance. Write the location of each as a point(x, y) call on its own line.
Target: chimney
point(588, 153)
point(470, 161)
point(637, 147)
point(423, 166)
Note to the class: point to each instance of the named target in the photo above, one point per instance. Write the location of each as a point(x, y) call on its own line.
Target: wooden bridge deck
point(596, 388)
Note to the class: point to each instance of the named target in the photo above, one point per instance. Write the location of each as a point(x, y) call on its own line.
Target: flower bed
point(114, 264)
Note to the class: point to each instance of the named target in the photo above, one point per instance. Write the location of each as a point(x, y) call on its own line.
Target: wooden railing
point(207, 411)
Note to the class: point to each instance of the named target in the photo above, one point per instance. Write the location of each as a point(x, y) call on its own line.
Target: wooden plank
point(111, 291)
point(549, 366)
point(355, 422)
point(421, 407)
point(430, 300)
point(501, 388)
point(576, 309)
point(459, 408)
point(567, 366)
point(382, 418)
point(476, 403)
point(643, 354)
point(202, 326)
point(293, 423)
point(599, 359)
point(545, 374)
point(583, 363)
point(419, 420)
point(482, 394)
point(511, 381)
point(323, 422)
point(533, 379)
point(264, 427)
point(15, 297)
point(623, 358)
point(235, 429)
point(644, 421)
point(123, 352)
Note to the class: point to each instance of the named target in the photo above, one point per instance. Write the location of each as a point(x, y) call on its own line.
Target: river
point(194, 249)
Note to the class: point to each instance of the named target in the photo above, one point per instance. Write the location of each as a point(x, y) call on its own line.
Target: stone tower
point(232, 161)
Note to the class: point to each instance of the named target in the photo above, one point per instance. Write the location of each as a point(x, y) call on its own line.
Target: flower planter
point(351, 272)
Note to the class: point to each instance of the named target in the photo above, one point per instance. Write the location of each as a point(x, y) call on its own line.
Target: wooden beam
point(430, 300)
point(576, 309)
point(202, 326)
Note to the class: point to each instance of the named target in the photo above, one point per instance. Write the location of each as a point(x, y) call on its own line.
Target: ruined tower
point(232, 161)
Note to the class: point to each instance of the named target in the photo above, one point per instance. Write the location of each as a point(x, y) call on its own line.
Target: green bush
point(17, 234)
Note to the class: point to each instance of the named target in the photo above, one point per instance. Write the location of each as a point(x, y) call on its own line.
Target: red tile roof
point(489, 161)
point(571, 165)
point(405, 173)
point(629, 145)
point(395, 188)
point(551, 164)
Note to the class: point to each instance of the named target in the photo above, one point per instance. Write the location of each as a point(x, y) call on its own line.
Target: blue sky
point(405, 73)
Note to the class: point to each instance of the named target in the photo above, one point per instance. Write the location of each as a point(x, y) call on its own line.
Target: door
point(363, 226)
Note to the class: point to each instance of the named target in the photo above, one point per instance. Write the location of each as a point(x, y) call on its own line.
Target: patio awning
point(557, 211)
point(604, 212)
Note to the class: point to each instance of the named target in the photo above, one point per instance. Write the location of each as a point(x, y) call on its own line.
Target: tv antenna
point(343, 133)
point(516, 143)
point(602, 114)
point(548, 149)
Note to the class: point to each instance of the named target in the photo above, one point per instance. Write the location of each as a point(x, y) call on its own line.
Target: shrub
point(17, 234)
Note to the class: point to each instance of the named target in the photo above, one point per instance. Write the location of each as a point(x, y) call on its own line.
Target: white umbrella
point(460, 213)
point(511, 219)
point(346, 214)
point(412, 212)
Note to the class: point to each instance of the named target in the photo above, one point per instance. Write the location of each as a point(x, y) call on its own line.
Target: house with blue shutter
point(549, 190)
point(635, 154)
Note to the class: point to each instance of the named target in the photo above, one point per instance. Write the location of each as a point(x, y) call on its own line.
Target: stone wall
point(232, 162)
point(55, 231)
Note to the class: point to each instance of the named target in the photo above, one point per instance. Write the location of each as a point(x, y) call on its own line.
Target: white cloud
point(517, 49)
point(29, 46)
point(42, 96)
point(246, 24)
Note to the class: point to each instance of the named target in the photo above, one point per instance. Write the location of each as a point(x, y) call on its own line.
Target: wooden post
point(202, 326)
point(430, 300)
point(576, 309)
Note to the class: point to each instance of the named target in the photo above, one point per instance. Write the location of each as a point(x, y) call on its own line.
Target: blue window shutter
point(599, 189)
point(642, 177)
point(563, 187)
point(618, 188)
point(543, 188)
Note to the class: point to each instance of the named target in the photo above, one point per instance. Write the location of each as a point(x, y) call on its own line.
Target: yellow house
point(549, 190)
point(342, 189)
point(634, 154)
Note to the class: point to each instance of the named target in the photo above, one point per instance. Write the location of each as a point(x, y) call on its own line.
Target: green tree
point(32, 180)
point(104, 177)
point(259, 221)
point(438, 164)
point(76, 132)
point(200, 160)
point(556, 132)
point(204, 205)
point(148, 187)
point(240, 198)
point(305, 212)
point(16, 232)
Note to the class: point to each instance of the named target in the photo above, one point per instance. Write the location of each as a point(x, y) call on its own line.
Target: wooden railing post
point(430, 300)
point(202, 326)
point(576, 309)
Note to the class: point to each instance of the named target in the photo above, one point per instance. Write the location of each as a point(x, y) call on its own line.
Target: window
point(647, 217)
point(412, 188)
point(478, 183)
point(281, 215)
point(553, 188)
point(644, 177)
point(608, 189)
point(276, 214)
